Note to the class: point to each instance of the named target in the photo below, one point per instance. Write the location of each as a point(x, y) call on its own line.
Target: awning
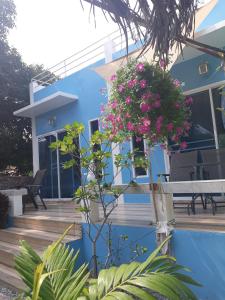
point(46, 104)
point(107, 70)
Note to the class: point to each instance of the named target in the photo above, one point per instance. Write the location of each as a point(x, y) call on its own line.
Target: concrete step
point(7, 253)
point(36, 238)
point(10, 279)
point(48, 224)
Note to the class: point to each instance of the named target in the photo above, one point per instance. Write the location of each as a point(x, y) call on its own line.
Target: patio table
point(199, 173)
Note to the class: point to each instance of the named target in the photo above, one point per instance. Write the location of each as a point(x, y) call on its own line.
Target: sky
point(48, 31)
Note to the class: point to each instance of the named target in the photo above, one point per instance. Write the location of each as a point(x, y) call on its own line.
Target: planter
point(4, 211)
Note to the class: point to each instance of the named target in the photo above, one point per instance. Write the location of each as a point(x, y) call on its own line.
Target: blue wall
point(202, 252)
point(144, 236)
point(216, 15)
point(187, 72)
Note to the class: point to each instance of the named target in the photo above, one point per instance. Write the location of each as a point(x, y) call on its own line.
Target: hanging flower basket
point(146, 102)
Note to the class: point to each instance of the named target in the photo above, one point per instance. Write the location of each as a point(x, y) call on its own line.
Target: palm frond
point(157, 24)
point(157, 275)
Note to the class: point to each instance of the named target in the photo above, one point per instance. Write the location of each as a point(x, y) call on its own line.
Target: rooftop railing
point(82, 58)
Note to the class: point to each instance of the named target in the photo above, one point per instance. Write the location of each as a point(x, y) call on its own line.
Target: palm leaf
point(157, 275)
point(51, 277)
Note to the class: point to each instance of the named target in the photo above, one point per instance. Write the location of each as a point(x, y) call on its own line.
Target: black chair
point(33, 190)
point(184, 167)
point(213, 167)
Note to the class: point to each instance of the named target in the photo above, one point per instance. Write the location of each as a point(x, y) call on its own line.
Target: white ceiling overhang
point(107, 70)
point(49, 103)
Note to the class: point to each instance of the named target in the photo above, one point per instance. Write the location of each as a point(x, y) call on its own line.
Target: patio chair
point(184, 167)
point(213, 167)
point(33, 190)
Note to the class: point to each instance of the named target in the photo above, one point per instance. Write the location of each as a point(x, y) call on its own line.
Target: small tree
point(96, 192)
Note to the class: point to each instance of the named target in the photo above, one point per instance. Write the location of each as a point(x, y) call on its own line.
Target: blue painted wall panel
point(204, 254)
point(215, 16)
point(144, 236)
point(187, 72)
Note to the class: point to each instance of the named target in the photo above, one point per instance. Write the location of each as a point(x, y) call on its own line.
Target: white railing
point(82, 58)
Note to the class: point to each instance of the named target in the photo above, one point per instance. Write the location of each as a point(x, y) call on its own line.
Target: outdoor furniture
point(212, 168)
point(33, 190)
point(184, 167)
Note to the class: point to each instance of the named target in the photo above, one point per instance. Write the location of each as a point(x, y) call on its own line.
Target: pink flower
point(131, 83)
point(140, 67)
point(159, 119)
point(176, 83)
point(127, 115)
point(183, 145)
point(110, 117)
point(177, 105)
point(187, 125)
point(143, 83)
point(170, 127)
point(121, 126)
point(113, 77)
point(157, 104)
point(147, 96)
point(179, 131)
point(175, 138)
point(158, 124)
point(162, 64)
point(118, 119)
point(102, 108)
point(121, 88)
point(143, 129)
point(114, 104)
point(188, 100)
point(145, 107)
point(146, 122)
point(138, 139)
point(128, 100)
point(130, 126)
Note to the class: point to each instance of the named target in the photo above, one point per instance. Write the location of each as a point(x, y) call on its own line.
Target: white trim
point(58, 169)
point(50, 133)
point(210, 29)
point(213, 118)
point(35, 147)
point(133, 168)
point(54, 101)
point(205, 87)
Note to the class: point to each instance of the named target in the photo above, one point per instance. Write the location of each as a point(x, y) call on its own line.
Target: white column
point(213, 119)
point(109, 49)
point(35, 149)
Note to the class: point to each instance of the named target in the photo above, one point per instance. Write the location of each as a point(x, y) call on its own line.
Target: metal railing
point(82, 59)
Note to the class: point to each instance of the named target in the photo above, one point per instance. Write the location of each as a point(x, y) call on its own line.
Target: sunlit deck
point(68, 212)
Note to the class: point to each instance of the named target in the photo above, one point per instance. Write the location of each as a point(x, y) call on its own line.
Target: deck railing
point(82, 58)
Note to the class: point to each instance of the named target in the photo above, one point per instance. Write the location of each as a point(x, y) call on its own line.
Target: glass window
point(94, 126)
point(48, 160)
point(201, 135)
point(219, 102)
point(139, 148)
point(70, 179)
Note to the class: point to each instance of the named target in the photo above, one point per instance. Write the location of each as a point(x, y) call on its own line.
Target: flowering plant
point(146, 102)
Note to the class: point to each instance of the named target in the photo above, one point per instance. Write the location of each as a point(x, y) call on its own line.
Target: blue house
point(74, 91)
point(76, 95)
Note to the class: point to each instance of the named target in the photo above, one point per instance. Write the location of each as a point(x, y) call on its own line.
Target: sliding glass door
point(59, 182)
point(48, 160)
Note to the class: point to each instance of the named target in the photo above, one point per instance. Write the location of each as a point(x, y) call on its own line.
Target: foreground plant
point(52, 277)
point(97, 195)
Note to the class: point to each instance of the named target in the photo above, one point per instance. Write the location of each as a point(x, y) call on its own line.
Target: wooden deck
point(136, 215)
